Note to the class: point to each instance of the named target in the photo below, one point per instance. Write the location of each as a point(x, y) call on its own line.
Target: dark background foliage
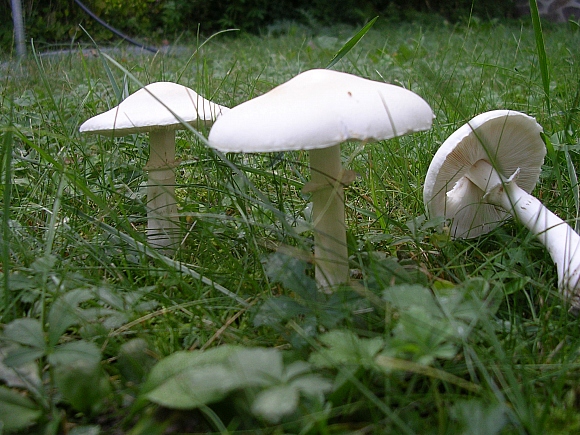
point(57, 21)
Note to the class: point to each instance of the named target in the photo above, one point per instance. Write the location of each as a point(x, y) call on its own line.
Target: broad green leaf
point(344, 347)
point(102, 318)
point(134, 360)
point(275, 402)
point(79, 376)
point(178, 362)
point(22, 355)
point(312, 386)
point(296, 369)
point(411, 295)
point(110, 297)
point(16, 411)
point(186, 380)
point(309, 329)
point(194, 387)
point(470, 301)
point(291, 273)
point(275, 311)
point(23, 282)
point(70, 353)
point(65, 312)
point(85, 386)
point(389, 270)
point(44, 265)
point(257, 366)
point(340, 305)
point(25, 331)
point(422, 336)
point(24, 375)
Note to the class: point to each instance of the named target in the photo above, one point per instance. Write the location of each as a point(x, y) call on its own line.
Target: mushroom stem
point(162, 223)
point(330, 248)
point(561, 241)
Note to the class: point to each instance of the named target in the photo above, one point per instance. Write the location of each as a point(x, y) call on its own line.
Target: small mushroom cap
point(506, 139)
point(157, 106)
point(317, 109)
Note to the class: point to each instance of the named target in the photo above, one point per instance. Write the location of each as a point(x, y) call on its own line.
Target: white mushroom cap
point(157, 106)
point(317, 109)
point(508, 140)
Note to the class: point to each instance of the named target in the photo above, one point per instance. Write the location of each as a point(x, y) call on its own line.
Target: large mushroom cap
point(317, 109)
point(158, 106)
point(506, 139)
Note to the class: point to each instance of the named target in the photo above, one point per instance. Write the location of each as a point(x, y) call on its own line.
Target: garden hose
point(112, 29)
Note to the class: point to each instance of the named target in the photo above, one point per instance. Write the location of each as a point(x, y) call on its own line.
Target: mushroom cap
point(157, 106)
point(317, 109)
point(506, 139)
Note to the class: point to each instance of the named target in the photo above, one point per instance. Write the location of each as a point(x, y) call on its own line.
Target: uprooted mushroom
point(485, 171)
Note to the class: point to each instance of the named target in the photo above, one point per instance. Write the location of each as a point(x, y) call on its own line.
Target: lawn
point(229, 334)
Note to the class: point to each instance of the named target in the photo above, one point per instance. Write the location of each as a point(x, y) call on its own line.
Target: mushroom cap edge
point(317, 109)
point(157, 106)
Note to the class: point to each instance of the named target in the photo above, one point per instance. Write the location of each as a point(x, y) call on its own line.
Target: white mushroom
point(159, 109)
point(472, 182)
point(316, 111)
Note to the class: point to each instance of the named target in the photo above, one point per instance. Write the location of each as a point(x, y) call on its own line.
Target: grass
point(434, 335)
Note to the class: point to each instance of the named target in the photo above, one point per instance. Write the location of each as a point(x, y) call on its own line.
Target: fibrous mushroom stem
point(162, 220)
point(330, 248)
point(561, 241)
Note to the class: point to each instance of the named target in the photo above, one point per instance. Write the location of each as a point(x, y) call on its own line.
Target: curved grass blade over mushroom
point(351, 43)
point(487, 169)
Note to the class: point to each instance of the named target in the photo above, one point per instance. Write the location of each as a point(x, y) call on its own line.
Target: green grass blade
point(351, 43)
point(541, 49)
point(196, 51)
point(553, 155)
point(53, 224)
point(116, 88)
point(214, 418)
point(49, 89)
point(6, 163)
point(573, 185)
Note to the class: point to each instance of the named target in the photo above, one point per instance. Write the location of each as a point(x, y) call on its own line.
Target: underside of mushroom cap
point(506, 139)
point(317, 109)
point(158, 106)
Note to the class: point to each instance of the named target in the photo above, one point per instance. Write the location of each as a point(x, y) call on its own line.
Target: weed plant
point(102, 334)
